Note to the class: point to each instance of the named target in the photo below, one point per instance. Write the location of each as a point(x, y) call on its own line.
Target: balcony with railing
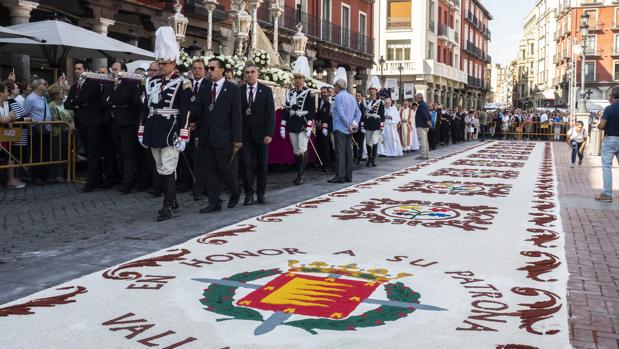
point(447, 33)
point(474, 82)
point(399, 23)
point(471, 48)
point(392, 67)
point(320, 30)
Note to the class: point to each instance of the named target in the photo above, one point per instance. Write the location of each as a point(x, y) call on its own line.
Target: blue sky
point(506, 27)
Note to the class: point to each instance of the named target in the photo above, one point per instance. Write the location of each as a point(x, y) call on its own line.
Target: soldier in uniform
point(298, 118)
point(119, 101)
point(165, 129)
point(373, 120)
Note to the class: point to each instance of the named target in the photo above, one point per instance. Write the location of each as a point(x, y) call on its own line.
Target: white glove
point(325, 132)
point(141, 136)
point(180, 145)
point(282, 132)
point(362, 130)
point(308, 132)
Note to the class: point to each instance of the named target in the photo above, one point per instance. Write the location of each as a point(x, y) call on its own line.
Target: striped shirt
point(20, 114)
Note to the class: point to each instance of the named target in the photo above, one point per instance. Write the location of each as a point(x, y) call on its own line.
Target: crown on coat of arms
point(375, 275)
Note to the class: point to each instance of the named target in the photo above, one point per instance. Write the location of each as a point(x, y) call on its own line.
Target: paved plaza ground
point(53, 234)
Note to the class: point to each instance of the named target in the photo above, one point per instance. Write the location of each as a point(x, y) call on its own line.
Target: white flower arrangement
point(282, 76)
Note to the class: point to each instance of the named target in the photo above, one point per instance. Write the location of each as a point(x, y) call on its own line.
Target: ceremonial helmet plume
point(374, 83)
point(301, 67)
point(166, 47)
point(340, 74)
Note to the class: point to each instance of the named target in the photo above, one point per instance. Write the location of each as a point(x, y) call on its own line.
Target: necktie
point(251, 96)
point(195, 88)
point(214, 94)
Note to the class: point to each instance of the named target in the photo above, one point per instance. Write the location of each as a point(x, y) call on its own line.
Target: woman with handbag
point(577, 140)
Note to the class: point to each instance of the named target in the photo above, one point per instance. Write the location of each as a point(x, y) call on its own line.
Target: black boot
point(301, 169)
point(297, 161)
point(369, 161)
point(374, 152)
point(169, 203)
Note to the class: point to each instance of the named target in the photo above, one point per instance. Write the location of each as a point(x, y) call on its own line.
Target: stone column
point(311, 58)
point(349, 80)
point(285, 50)
point(226, 46)
point(330, 74)
point(20, 14)
point(210, 7)
point(429, 95)
point(100, 25)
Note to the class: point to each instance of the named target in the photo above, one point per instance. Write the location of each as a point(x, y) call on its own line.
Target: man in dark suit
point(184, 180)
point(324, 124)
point(85, 99)
point(258, 112)
point(217, 115)
point(120, 103)
point(359, 136)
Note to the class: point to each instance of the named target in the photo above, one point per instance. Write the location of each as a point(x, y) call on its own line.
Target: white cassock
point(390, 144)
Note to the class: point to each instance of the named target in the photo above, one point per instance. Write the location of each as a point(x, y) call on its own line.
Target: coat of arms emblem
point(321, 296)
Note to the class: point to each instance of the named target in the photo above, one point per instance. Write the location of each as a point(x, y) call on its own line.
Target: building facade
point(432, 28)
point(601, 56)
point(339, 31)
point(500, 83)
point(474, 62)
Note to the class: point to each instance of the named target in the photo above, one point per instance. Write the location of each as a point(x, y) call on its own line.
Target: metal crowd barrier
point(29, 144)
point(531, 130)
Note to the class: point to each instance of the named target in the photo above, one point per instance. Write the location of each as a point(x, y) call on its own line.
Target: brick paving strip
point(592, 249)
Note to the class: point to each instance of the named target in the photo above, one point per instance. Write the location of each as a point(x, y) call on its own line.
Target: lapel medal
point(193, 98)
point(211, 107)
point(248, 111)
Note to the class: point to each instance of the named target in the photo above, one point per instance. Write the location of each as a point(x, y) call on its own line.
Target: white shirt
point(20, 99)
point(197, 83)
point(574, 135)
point(255, 89)
point(543, 117)
point(220, 84)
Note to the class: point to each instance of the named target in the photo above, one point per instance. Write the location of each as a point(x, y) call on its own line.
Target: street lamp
point(299, 41)
point(584, 33)
point(381, 61)
point(400, 68)
point(244, 22)
point(178, 22)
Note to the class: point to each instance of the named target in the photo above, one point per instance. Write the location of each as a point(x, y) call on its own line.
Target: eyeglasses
point(150, 70)
point(211, 68)
point(250, 72)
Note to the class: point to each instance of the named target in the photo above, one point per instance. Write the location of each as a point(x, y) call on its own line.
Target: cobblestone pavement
point(592, 248)
point(55, 233)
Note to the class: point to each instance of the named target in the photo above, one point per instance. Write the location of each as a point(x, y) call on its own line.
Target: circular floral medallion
point(421, 212)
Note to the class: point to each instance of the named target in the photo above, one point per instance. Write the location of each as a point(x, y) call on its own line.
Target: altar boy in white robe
point(390, 144)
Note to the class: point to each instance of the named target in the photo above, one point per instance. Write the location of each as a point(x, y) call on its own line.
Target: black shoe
point(165, 213)
point(125, 189)
point(198, 197)
point(174, 206)
point(107, 184)
point(234, 200)
point(260, 199)
point(348, 180)
point(87, 189)
point(299, 181)
point(210, 208)
point(335, 180)
point(249, 200)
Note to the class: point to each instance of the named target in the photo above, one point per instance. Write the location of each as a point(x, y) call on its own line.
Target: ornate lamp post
point(584, 33)
point(178, 22)
point(299, 41)
point(276, 9)
point(210, 7)
point(253, 6)
point(244, 22)
point(381, 62)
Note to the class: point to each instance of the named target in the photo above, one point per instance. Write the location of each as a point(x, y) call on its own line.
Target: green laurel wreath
point(219, 299)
